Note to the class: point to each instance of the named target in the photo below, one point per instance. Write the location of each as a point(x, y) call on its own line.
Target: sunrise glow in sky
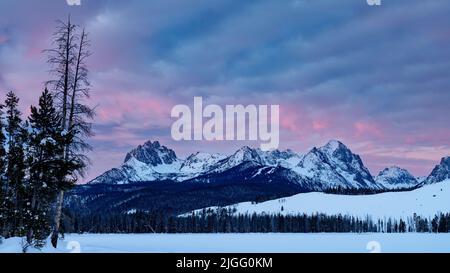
point(376, 78)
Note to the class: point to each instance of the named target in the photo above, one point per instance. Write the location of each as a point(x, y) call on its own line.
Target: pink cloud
point(294, 119)
point(119, 136)
point(121, 107)
point(3, 39)
point(320, 124)
point(365, 129)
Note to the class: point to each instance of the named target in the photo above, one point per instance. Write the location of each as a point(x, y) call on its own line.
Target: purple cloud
point(376, 78)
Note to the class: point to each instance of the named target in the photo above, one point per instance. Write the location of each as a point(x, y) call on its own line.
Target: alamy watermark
point(235, 122)
point(374, 2)
point(73, 2)
point(74, 247)
point(373, 247)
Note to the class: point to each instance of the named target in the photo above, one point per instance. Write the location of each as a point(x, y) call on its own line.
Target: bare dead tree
point(81, 113)
point(71, 88)
point(61, 59)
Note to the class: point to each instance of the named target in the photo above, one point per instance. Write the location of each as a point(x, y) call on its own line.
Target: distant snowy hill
point(426, 201)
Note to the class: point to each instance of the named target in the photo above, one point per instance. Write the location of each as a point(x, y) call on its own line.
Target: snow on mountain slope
point(334, 165)
point(257, 157)
point(440, 172)
point(426, 202)
point(148, 162)
point(200, 162)
point(136, 171)
point(153, 162)
point(152, 153)
point(421, 179)
point(245, 154)
point(287, 159)
point(396, 178)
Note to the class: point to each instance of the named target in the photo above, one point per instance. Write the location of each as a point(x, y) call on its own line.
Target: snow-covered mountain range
point(328, 167)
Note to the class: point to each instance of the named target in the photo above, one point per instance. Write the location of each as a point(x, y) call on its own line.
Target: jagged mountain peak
point(283, 154)
point(334, 164)
point(200, 161)
point(199, 155)
point(445, 161)
point(334, 150)
point(329, 166)
point(334, 145)
point(337, 149)
point(392, 170)
point(247, 149)
point(247, 154)
point(441, 172)
point(152, 153)
point(395, 177)
point(150, 161)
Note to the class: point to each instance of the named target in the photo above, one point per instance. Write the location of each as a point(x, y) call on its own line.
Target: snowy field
point(426, 202)
point(246, 243)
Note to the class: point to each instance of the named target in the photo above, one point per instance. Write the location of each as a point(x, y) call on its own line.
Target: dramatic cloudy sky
point(376, 78)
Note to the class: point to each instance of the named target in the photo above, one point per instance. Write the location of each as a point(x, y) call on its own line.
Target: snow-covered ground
point(246, 243)
point(15, 245)
point(426, 202)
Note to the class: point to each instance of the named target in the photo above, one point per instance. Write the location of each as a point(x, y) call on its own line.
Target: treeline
point(42, 156)
point(227, 221)
point(354, 191)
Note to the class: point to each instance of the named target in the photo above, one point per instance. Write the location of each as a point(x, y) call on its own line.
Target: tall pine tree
point(44, 162)
point(15, 186)
point(47, 140)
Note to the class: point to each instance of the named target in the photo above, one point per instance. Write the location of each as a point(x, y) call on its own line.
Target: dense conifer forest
point(226, 221)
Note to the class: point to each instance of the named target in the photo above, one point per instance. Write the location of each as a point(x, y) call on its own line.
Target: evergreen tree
point(442, 226)
point(402, 226)
point(15, 186)
point(46, 166)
